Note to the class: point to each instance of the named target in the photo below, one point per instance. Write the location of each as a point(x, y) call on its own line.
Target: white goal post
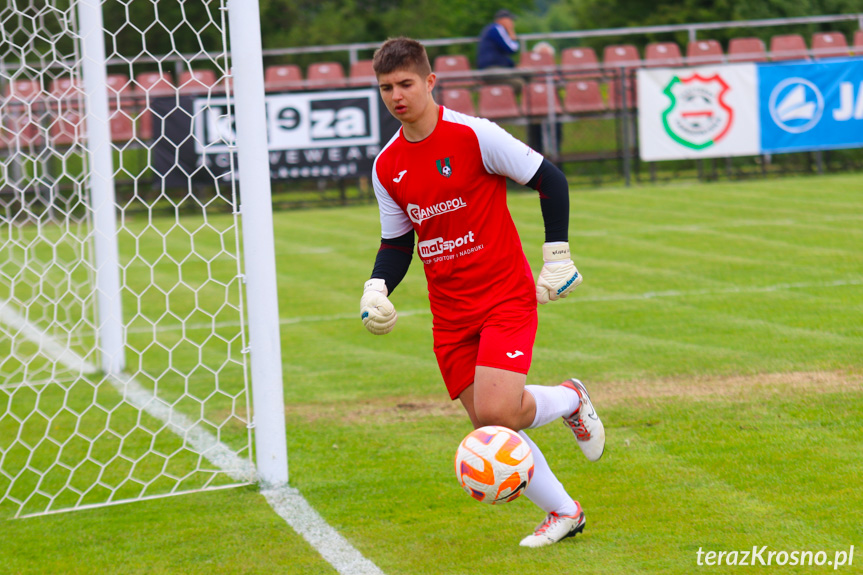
point(138, 301)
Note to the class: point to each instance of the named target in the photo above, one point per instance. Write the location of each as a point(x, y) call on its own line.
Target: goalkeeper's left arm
point(559, 275)
point(391, 264)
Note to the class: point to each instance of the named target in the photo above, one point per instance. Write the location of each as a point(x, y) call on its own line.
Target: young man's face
point(406, 94)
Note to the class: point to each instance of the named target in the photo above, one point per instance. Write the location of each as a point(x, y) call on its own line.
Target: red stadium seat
point(662, 55)
point(24, 90)
point(155, 84)
point(121, 106)
point(535, 99)
point(325, 76)
point(788, 47)
point(746, 50)
point(362, 74)
point(498, 101)
point(829, 45)
point(66, 122)
point(65, 87)
point(283, 78)
point(453, 71)
point(704, 53)
point(579, 63)
point(583, 96)
point(25, 104)
point(199, 81)
point(621, 58)
point(459, 100)
point(119, 89)
point(858, 43)
point(453, 63)
point(537, 62)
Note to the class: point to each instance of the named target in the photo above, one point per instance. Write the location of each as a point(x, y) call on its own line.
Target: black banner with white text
point(333, 134)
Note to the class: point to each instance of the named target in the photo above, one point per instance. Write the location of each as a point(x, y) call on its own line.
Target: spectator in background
point(497, 42)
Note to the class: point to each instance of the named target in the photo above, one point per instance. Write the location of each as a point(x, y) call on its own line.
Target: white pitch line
point(338, 552)
point(47, 345)
point(286, 501)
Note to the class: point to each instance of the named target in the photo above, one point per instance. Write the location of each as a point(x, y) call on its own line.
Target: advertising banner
point(335, 134)
point(750, 109)
point(703, 112)
point(811, 106)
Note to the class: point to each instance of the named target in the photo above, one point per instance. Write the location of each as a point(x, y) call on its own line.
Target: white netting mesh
point(176, 418)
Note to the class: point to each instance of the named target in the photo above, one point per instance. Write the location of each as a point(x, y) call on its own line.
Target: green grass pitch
point(719, 329)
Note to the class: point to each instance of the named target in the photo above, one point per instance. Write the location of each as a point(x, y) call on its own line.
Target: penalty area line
point(286, 501)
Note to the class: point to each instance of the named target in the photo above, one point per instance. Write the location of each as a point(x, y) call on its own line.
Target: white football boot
point(585, 424)
point(556, 528)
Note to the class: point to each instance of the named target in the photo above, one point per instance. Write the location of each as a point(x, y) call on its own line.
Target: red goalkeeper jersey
point(450, 188)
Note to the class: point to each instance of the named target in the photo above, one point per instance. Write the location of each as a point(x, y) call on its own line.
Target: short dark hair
point(401, 54)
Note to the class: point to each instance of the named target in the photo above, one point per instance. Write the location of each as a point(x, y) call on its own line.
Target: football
point(494, 464)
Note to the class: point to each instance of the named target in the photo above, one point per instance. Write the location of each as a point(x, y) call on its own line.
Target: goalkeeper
point(442, 179)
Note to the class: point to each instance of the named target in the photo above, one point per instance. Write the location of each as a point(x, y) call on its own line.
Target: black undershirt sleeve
point(553, 190)
point(394, 259)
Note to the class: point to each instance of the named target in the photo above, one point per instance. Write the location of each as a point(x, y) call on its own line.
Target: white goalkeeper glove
point(558, 276)
point(379, 315)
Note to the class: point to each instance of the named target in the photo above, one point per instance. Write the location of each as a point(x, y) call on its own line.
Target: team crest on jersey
point(444, 168)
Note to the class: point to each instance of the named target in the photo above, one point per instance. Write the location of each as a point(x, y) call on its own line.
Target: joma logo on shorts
point(418, 215)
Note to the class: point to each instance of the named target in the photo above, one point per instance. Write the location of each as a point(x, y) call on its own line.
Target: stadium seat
point(582, 96)
point(498, 101)
point(459, 100)
point(786, 47)
point(121, 107)
point(283, 78)
point(24, 106)
point(120, 89)
point(829, 45)
point(746, 50)
point(857, 46)
point(537, 63)
point(704, 53)
point(579, 63)
point(199, 81)
point(535, 99)
point(449, 66)
point(23, 90)
point(662, 55)
point(155, 84)
point(362, 74)
point(66, 122)
point(621, 58)
point(325, 76)
point(65, 87)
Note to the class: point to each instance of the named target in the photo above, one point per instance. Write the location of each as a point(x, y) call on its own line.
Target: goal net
point(123, 358)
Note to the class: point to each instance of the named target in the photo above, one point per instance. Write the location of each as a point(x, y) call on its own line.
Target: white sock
point(544, 489)
point(552, 402)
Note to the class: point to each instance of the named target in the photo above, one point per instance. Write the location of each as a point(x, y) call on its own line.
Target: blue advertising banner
point(811, 106)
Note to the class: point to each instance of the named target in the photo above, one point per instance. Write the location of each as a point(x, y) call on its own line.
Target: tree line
point(194, 26)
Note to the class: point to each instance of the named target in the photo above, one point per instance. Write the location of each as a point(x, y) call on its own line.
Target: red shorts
point(502, 339)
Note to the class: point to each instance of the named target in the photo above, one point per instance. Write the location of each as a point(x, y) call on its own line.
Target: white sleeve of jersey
point(502, 153)
point(394, 222)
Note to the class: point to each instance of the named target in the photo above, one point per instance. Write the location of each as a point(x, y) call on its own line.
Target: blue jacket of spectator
point(495, 48)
